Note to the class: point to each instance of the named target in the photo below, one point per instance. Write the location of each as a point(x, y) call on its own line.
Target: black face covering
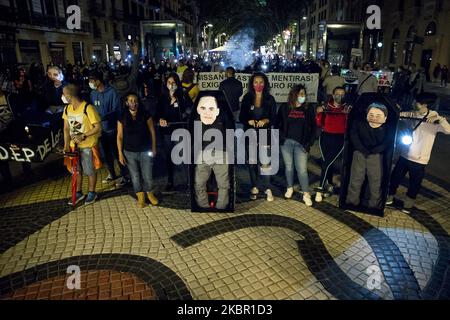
point(339, 99)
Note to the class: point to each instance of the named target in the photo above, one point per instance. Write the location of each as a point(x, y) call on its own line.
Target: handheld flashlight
point(407, 140)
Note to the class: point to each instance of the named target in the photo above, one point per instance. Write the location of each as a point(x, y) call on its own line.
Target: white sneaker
point(254, 193)
point(390, 200)
point(269, 195)
point(289, 193)
point(307, 200)
point(109, 179)
point(319, 197)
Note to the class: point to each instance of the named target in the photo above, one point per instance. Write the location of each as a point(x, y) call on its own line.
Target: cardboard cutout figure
point(212, 174)
point(369, 139)
point(368, 153)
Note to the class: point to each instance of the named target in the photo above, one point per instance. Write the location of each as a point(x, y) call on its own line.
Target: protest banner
point(280, 83)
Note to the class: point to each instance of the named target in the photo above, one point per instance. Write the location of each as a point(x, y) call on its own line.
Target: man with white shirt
point(415, 158)
point(367, 82)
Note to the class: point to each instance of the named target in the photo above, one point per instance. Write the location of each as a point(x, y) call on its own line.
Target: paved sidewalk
point(278, 250)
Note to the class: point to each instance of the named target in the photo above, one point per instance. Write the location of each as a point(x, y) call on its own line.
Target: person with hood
point(126, 81)
point(107, 103)
point(332, 119)
point(297, 125)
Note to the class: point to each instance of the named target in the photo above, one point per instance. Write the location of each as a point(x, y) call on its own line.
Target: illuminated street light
point(380, 44)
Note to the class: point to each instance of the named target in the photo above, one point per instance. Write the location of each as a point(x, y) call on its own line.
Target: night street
point(200, 151)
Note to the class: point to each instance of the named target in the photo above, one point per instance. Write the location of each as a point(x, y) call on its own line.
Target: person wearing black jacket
point(258, 111)
point(232, 88)
point(297, 125)
point(369, 139)
point(173, 111)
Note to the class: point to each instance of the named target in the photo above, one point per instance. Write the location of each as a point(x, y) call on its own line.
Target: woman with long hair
point(258, 112)
point(173, 111)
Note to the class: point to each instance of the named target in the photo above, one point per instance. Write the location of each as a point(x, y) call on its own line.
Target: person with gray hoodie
point(107, 103)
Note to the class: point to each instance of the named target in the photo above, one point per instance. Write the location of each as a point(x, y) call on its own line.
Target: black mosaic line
point(164, 281)
point(312, 249)
point(438, 287)
point(396, 270)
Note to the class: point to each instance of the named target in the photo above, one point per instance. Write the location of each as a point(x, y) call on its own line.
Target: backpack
point(85, 109)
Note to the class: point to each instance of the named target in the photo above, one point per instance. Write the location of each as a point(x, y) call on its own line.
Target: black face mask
point(339, 99)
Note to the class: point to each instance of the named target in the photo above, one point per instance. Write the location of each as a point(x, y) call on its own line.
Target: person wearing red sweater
point(332, 119)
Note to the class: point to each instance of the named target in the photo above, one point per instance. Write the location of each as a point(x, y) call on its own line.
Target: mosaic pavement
point(278, 250)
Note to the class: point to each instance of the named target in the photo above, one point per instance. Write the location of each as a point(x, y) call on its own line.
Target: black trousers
point(108, 143)
point(331, 147)
point(416, 175)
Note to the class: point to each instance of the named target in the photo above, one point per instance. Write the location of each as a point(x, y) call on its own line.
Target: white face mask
point(92, 86)
point(64, 99)
point(301, 100)
point(172, 87)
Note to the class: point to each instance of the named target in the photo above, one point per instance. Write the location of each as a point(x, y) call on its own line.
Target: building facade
point(36, 30)
point(416, 31)
point(333, 27)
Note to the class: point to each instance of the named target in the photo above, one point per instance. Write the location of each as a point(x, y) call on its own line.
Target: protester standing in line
point(297, 125)
point(258, 111)
point(173, 111)
point(136, 142)
point(332, 119)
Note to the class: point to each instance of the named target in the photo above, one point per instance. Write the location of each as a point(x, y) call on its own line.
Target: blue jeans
point(140, 165)
point(294, 155)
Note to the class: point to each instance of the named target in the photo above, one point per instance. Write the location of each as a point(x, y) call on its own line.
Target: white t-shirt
point(423, 137)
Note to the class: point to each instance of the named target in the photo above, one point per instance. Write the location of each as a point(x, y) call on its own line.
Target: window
point(431, 29)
